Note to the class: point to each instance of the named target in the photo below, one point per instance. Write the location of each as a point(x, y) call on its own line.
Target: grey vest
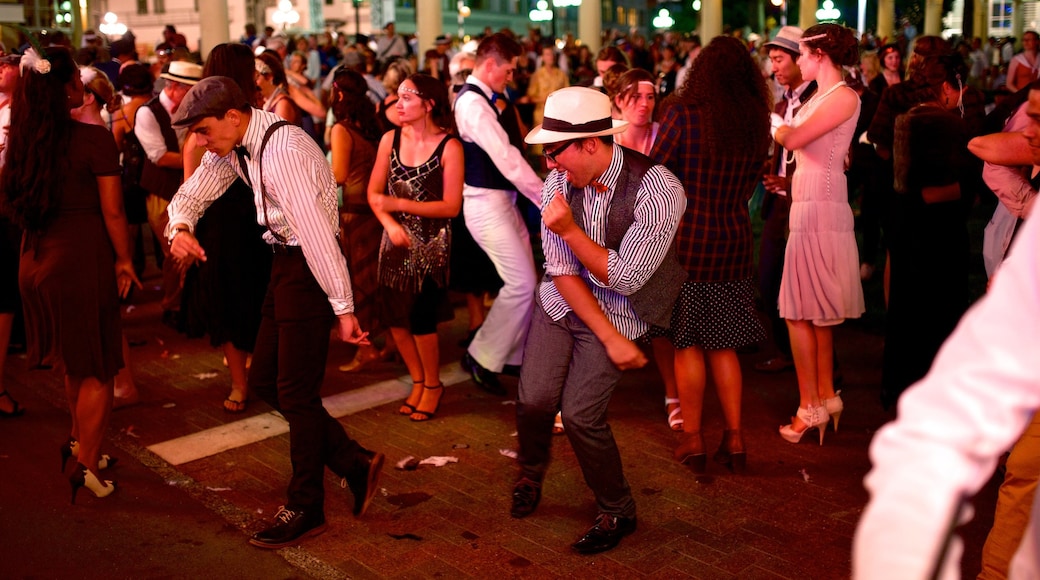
point(653, 302)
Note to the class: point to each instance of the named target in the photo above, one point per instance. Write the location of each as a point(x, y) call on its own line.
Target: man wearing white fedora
point(163, 168)
point(609, 220)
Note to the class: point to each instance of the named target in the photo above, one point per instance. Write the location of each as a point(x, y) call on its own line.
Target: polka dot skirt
point(714, 316)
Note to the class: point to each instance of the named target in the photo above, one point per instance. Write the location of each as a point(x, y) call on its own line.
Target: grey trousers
point(566, 368)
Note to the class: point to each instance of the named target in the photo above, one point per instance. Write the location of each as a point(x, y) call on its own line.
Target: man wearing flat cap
point(295, 197)
point(609, 221)
point(783, 51)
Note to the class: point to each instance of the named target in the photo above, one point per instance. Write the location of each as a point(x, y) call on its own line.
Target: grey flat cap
point(211, 97)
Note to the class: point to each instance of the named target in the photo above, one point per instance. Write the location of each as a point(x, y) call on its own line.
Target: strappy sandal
point(234, 407)
point(406, 407)
point(427, 415)
point(675, 420)
point(16, 409)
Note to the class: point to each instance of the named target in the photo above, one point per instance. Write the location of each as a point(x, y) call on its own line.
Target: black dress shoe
point(485, 379)
point(290, 526)
point(526, 495)
point(511, 370)
point(362, 479)
point(605, 535)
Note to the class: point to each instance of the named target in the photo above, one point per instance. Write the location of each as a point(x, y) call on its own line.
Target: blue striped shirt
point(660, 203)
point(301, 199)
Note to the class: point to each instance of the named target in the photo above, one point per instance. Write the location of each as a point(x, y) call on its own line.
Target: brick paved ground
point(791, 516)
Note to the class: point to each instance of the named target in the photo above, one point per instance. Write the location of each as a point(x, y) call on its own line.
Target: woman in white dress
point(820, 287)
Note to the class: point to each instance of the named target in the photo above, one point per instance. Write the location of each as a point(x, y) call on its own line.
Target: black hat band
point(560, 126)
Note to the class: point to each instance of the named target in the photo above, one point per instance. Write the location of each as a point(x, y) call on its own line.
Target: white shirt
point(794, 100)
point(301, 199)
point(478, 123)
point(146, 127)
point(660, 203)
point(953, 425)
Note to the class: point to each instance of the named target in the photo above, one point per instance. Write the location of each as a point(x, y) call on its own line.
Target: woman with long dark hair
point(354, 139)
point(61, 185)
point(415, 190)
point(715, 142)
point(222, 296)
point(820, 286)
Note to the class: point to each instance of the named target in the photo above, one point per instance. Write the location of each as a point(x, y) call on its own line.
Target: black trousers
point(771, 267)
point(287, 373)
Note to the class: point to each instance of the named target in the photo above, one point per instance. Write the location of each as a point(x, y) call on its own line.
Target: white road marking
point(257, 428)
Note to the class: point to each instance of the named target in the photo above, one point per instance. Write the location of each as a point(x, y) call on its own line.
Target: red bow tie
point(600, 188)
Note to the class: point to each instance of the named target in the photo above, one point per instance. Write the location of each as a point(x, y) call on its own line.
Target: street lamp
point(110, 25)
point(464, 13)
point(64, 14)
point(828, 12)
point(663, 20)
point(285, 15)
point(783, 15)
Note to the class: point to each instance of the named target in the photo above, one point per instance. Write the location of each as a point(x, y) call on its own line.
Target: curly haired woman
point(715, 142)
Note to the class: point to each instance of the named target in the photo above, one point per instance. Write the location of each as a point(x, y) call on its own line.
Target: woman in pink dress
point(820, 286)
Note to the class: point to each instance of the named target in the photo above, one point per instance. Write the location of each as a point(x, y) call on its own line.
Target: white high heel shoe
point(834, 407)
point(813, 417)
point(675, 420)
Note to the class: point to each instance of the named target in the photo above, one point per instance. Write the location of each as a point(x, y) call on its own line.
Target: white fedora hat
point(183, 72)
point(575, 113)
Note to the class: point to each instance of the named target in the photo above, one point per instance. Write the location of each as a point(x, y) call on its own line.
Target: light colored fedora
point(183, 72)
point(787, 38)
point(575, 113)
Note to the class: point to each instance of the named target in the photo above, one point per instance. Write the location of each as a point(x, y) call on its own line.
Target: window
point(142, 6)
point(159, 6)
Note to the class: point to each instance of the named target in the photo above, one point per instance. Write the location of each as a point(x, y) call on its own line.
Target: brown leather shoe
point(777, 364)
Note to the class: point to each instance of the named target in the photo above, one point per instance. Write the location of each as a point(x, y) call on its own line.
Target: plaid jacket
point(714, 240)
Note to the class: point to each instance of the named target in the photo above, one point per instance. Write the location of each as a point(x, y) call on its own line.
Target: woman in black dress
point(223, 295)
point(415, 190)
point(61, 185)
point(928, 245)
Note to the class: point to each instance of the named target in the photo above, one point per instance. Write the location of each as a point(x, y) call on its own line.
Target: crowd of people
point(354, 185)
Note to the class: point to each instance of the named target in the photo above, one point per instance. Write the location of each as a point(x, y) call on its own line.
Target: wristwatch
point(177, 230)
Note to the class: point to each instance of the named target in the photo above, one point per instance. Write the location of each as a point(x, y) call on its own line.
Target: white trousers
point(496, 225)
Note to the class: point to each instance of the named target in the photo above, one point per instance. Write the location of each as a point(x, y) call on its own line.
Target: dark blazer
point(778, 152)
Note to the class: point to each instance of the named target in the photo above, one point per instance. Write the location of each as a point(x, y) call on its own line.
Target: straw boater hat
point(575, 113)
point(183, 72)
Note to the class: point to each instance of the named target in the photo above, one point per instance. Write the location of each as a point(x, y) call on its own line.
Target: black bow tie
point(241, 151)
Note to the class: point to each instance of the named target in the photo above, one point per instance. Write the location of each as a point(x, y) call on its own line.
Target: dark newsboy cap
point(211, 97)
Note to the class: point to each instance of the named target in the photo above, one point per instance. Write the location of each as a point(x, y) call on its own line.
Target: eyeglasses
point(551, 155)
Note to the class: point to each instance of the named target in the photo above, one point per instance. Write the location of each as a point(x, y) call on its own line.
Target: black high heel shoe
point(71, 449)
point(427, 415)
point(731, 452)
point(84, 478)
point(690, 452)
point(16, 409)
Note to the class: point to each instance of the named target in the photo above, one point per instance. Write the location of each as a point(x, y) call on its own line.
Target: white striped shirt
point(660, 203)
point(301, 199)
